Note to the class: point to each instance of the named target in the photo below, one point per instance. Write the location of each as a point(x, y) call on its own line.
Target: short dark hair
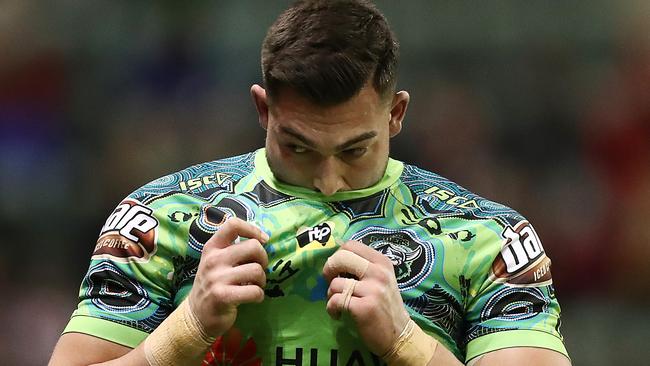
point(327, 50)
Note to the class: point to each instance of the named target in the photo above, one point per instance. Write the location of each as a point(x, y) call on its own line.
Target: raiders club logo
point(412, 258)
point(522, 261)
point(128, 234)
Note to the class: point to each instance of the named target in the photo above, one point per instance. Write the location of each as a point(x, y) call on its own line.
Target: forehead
point(362, 109)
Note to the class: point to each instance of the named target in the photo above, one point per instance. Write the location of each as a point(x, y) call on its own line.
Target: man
point(318, 249)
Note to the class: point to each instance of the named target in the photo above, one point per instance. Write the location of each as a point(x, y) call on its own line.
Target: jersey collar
point(391, 175)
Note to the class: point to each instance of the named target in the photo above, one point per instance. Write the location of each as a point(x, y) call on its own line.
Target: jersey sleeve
point(128, 289)
point(511, 301)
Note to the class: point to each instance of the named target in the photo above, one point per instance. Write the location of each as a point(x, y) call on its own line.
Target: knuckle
point(260, 294)
point(254, 246)
point(220, 294)
point(217, 257)
point(383, 292)
point(386, 263)
point(208, 261)
point(259, 271)
point(233, 222)
point(386, 273)
point(263, 256)
point(333, 302)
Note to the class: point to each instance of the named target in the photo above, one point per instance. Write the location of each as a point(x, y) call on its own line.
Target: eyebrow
point(364, 136)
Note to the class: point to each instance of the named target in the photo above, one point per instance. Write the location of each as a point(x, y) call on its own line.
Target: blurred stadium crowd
point(544, 106)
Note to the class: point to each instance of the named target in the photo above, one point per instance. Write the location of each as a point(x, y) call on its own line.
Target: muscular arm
point(227, 276)
point(521, 356)
point(78, 349)
point(504, 357)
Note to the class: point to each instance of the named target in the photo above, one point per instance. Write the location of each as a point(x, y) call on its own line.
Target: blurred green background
point(541, 105)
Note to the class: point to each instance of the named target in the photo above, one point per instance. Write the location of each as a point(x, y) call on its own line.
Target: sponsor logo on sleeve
point(128, 234)
point(522, 260)
point(218, 179)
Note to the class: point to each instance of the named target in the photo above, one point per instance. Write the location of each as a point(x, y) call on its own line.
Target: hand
point(229, 275)
point(376, 304)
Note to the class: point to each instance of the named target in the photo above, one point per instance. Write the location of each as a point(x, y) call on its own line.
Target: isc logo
point(130, 216)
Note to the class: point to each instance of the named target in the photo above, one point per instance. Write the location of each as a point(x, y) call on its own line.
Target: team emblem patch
point(412, 258)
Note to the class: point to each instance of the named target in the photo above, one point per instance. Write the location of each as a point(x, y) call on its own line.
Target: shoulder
point(154, 214)
point(216, 175)
point(442, 197)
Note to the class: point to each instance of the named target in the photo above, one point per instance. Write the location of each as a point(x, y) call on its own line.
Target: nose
point(327, 178)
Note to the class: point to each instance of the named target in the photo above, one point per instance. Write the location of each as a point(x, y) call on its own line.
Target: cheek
point(370, 169)
point(289, 168)
point(362, 174)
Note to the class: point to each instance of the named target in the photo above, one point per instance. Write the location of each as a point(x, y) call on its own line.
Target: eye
point(356, 152)
point(297, 149)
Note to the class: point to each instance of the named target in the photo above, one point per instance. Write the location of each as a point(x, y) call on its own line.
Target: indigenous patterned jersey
point(472, 273)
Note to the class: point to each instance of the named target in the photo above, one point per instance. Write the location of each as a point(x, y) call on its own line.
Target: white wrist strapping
point(179, 338)
point(412, 348)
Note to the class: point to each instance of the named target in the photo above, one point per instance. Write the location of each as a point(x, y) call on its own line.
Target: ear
point(398, 112)
point(259, 99)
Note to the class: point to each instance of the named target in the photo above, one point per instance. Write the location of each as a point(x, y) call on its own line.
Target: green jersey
point(472, 273)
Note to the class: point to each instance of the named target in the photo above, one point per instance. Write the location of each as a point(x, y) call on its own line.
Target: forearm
point(443, 357)
point(521, 356)
point(178, 340)
point(78, 349)
point(414, 347)
point(136, 357)
point(72, 356)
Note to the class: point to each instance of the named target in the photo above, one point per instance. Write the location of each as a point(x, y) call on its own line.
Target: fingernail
point(263, 234)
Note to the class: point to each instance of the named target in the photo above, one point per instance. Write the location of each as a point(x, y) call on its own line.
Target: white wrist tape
point(179, 338)
point(412, 348)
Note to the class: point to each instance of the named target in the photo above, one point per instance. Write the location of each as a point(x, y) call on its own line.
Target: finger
point(235, 227)
point(246, 274)
point(338, 285)
point(237, 295)
point(348, 289)
point(333, 306)
point(249, 251)
point(344, 261)
point(336, 305)
point(363, 251)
